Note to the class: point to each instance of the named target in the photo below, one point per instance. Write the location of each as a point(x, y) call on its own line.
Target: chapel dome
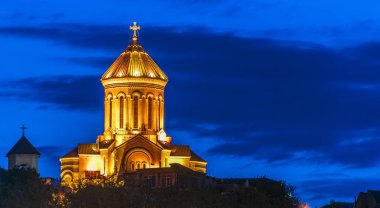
point(134, 62)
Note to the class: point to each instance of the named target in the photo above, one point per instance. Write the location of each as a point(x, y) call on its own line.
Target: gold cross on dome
point(134, 28)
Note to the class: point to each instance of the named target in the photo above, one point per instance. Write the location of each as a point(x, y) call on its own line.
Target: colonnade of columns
point(134, 112)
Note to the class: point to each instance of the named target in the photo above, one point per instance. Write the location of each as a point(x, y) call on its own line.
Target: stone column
point(139, 113)
point(130, 113)
point(125, 113)
point(154, 114)
point(162, 114)
point(158, 114)
point(115, 113)
point(144, 112)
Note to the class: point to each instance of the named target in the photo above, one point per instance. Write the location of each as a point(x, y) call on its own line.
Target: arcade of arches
point(134, 136)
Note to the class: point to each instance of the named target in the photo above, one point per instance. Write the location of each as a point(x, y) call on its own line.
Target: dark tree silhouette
point(23, 188)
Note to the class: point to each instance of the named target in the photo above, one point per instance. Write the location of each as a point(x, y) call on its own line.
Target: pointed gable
point(23, 146)
point(140, 141)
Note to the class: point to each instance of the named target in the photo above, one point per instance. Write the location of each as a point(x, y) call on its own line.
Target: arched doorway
point(67, 177)
point(137, 159)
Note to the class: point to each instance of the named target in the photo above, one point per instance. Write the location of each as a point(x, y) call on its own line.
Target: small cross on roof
point(23, 127)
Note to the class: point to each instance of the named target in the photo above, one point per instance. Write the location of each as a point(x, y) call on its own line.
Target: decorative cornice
point(134, 82)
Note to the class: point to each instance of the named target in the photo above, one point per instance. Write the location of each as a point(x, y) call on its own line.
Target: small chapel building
point(23, 155)
point(134, 137)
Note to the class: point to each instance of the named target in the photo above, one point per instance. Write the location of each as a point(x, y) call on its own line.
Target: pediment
point(139, 141)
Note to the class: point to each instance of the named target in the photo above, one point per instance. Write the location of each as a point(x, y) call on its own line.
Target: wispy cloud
point(331, 188)
point(281, 102)
point(66, 92)
point(299, 96)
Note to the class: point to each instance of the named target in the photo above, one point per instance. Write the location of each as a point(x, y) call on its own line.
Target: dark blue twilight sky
point(277, 88)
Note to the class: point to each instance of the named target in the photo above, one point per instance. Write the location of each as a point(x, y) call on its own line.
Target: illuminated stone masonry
point(134, 138)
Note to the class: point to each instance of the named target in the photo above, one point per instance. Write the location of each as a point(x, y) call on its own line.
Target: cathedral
point(134, 137)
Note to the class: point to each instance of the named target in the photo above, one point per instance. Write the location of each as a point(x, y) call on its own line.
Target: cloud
point(98, 62)
point(281, 102)
point(368, 51)
point(64, 92)
point(51, 153)
point(27, 16)
point(107, 36)
point(311, 147)
point(322, 189)
point(275, 100)
point(49, 160)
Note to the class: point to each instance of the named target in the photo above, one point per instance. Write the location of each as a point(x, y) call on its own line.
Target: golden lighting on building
point(134, 136)
point(93, 163)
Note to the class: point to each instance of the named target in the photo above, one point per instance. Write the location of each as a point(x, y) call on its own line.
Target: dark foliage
point(23, 188)
point(256, 197)
point(339, 205)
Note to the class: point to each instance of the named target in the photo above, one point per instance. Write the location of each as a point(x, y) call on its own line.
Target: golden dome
point(134, 62)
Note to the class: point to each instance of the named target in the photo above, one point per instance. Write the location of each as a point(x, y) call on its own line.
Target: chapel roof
point(180, 150)
point(105, 144)
point(88, 149)
point(23, 146)
point(72, 153)
point(196, 157)
point(134, 62)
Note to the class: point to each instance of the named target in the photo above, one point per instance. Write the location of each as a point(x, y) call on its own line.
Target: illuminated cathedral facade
point(134, 137)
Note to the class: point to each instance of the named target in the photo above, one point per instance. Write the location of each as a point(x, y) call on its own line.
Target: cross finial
point(23, 127)
point(134, 28)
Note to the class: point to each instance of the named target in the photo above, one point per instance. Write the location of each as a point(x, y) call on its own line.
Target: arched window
point(150, 103)
point(121, 125)
point(138, 165)
point(132, 166)
point(110, 114)
point(135, 112)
